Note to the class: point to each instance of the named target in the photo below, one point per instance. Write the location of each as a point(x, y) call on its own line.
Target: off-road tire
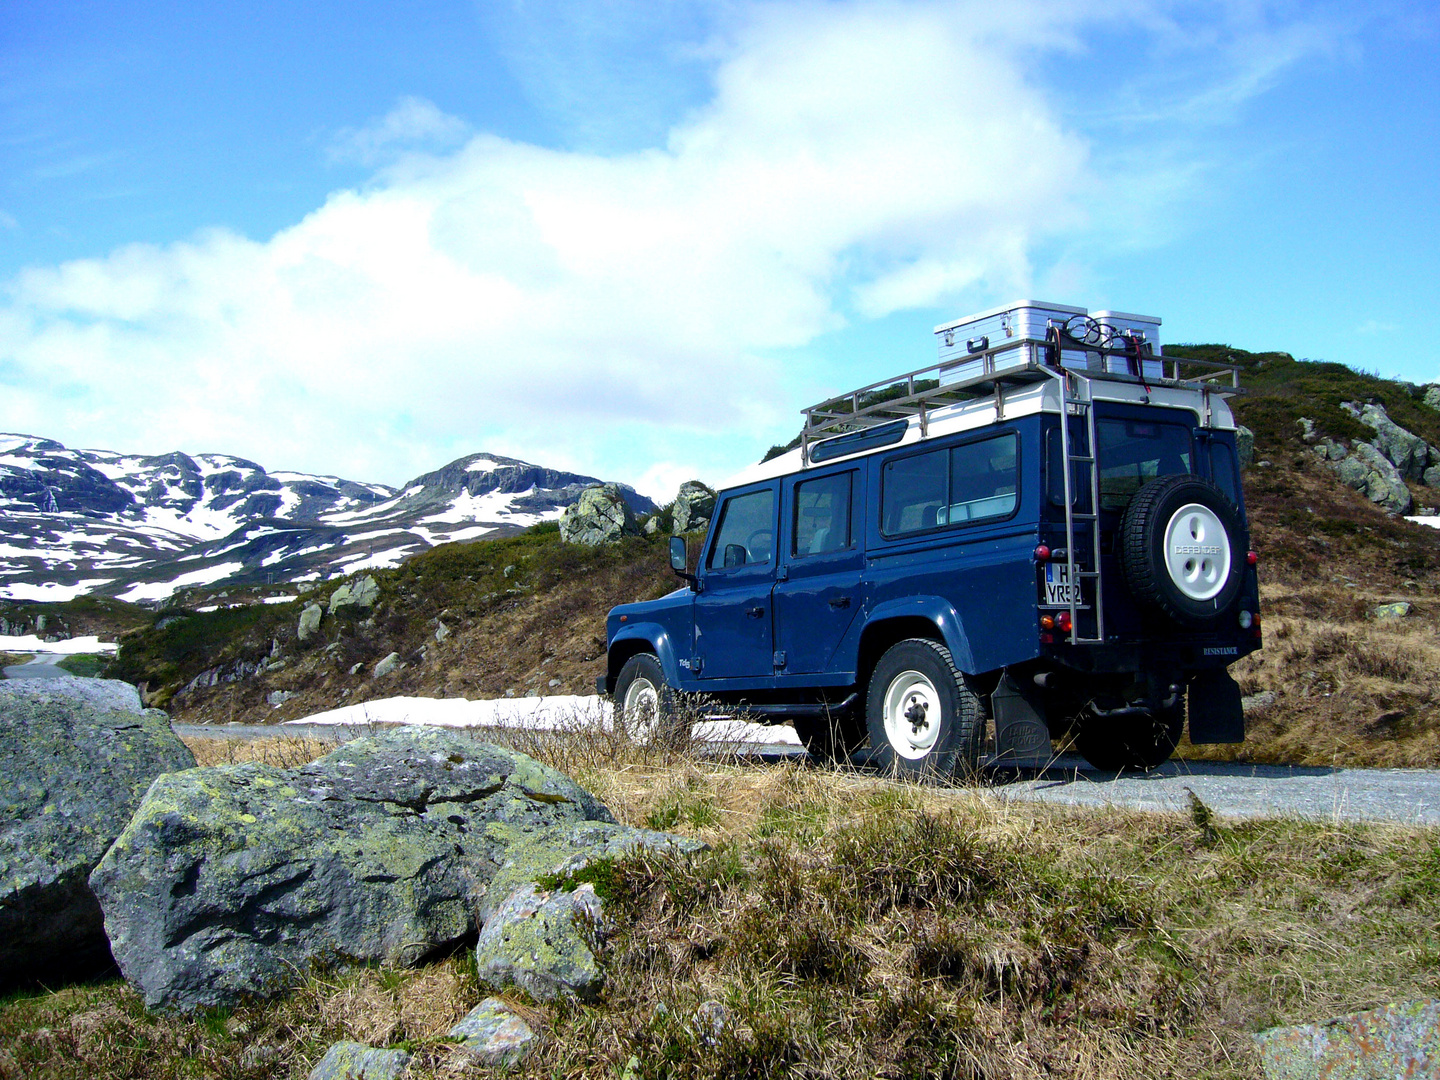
point(922, 672)
point(640, 684)
point(1136, 742)
point(1160, 585)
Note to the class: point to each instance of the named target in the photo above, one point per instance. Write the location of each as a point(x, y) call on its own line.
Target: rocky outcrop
point(235, 880)
point(76, 757)
point(599, 516)
point(309, 624)
point(356, 597)
point(1244, 446)
point(1432, 396)
point(694, 504)
point(1367, 470)
point(493, 1035)
point(356, 1061)
point(1409, 453)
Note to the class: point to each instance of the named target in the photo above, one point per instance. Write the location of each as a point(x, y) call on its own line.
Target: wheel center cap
point(916, 715)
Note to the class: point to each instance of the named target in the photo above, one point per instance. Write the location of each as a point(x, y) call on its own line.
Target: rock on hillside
point(98, 522)
point(76, 757)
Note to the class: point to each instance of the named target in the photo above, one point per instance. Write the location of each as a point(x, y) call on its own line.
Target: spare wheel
point(1180, 549)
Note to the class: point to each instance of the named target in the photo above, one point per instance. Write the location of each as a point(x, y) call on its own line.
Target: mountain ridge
point(143, 527)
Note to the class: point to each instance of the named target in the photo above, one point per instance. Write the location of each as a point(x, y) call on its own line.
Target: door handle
point(840, 602)
point(755, 612)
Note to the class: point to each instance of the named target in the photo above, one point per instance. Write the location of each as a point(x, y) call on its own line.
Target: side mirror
point(678, 562)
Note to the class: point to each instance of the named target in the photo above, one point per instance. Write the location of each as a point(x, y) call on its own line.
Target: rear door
point(819, 595)
point(733, 634)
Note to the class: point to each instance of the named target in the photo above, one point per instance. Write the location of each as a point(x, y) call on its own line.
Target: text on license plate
point(1058, 587)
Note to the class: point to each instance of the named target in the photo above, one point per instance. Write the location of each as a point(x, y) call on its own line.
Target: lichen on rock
point(235, 880)
point(76, 758)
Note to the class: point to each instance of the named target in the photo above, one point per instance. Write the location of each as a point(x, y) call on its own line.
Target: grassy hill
point(525, 614)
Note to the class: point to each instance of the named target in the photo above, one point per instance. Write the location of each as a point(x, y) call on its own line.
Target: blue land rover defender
point(1045, 530)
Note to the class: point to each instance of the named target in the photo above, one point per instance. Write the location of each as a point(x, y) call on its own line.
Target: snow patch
point(50, 592)
point(158, 590)
point(69, 647)
point(1433, 520)
point(561, 712)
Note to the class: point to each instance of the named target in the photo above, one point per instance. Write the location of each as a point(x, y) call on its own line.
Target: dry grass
point(282, 751)
point(855, 927)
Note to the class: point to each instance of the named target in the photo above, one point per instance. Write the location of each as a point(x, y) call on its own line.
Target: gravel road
point(1399, 796)
point(41, 666)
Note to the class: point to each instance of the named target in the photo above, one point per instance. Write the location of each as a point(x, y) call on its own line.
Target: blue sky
point(635, 238)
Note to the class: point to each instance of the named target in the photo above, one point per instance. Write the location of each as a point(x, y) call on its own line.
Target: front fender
point(936, 610)
point(656, 639)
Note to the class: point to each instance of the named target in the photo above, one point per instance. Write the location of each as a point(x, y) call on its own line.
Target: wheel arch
point(930, 617)
point(641, 638)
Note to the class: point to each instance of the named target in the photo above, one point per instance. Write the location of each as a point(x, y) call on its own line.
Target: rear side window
point(747, 530)
point(977, 481)
point(822, 515)
point(1223, 471)
point(1134, 452)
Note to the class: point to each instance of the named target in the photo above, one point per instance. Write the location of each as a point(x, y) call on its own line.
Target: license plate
point(1058, 588)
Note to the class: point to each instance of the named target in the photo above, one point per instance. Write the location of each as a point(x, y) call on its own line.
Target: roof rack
point(1021, 362)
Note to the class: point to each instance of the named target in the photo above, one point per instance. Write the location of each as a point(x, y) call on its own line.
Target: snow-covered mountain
point(96, 521)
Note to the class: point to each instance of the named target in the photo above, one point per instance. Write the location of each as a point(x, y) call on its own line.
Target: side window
point(747, 531)
point(982, 480)
point(822, 515)
point(914, 492)
point(1223, 470)
point(970, 482)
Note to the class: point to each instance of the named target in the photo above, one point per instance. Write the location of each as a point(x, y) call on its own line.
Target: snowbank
point(32, 644)
point(562, 712)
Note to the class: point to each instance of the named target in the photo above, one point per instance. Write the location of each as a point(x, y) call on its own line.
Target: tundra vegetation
point(855, 927)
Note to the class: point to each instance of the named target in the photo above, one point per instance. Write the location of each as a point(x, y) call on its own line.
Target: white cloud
point(604, 311)
point(414, 123)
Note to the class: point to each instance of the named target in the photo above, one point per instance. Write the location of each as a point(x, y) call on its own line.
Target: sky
point(634, 239)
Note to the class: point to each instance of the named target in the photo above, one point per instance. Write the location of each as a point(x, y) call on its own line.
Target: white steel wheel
point(912, 714)
point(643, 701)
point(923, 718)
point(1197, 552)
point(641, 707)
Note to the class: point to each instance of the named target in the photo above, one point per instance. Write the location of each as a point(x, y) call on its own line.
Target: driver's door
point(734, 638)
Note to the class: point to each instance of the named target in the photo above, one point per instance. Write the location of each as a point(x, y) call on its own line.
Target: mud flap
point(1021, 735)
point(1215, 712)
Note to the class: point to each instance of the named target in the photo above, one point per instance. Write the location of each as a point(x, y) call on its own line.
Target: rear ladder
point(1078, 403)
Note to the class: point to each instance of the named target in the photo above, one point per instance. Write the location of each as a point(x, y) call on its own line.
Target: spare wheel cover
point(1197, 552)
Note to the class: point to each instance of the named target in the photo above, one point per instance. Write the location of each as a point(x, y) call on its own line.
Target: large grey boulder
point(309, 624)
point(1408, 452)
point(76, 757)
point(1370, 471)
point(694, 504)
point(600, 516)
point(1432, 396)
point(235, 880)
point(355, 597)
